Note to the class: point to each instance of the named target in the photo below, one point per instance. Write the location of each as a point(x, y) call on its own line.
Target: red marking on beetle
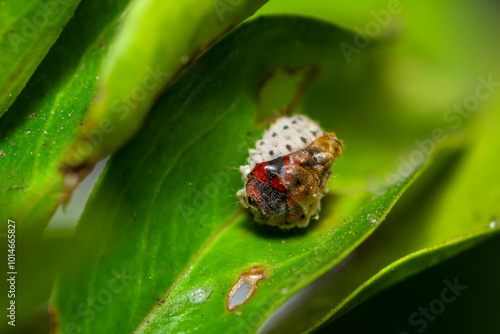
point(277, 184)
point(259, 172)
point(253, 191)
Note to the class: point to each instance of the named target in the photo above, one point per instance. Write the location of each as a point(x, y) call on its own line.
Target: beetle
point(288, 171)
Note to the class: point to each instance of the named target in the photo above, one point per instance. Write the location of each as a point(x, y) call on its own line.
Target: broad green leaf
point(471, 308)
point(459, 204)
point(48, 114)
point(164, 220)
point(28, 28)
point(404, 268)
point(157, 40)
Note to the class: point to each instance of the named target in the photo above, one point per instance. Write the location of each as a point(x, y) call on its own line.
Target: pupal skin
point(287, 177)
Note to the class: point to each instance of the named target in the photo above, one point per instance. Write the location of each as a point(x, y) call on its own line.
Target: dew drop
point(493, 221)
point(373, 220)
point(200, 295)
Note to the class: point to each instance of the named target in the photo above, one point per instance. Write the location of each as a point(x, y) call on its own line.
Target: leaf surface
point(458, 208)
point(47, 116)
point(157, 40)
point(164, 220)
point(28, 29)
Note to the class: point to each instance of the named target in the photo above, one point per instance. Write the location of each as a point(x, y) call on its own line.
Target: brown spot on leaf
point(72, 176)
point(250, 279)
point(54, 321)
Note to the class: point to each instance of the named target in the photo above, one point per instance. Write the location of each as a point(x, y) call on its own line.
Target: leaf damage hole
point(239, 297)
point(281, 90)
point(72, 176)
point(244, 288)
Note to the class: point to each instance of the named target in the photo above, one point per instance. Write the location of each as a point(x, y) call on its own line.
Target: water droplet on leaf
point(200, 295)
point(373, 220)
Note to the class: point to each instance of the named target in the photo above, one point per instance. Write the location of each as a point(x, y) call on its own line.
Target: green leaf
point(28, 28)
point(343, 13)
point(153, 247)
point(47, 116)
point(404, 268)
point(458, 208)
point(157, 40)
point(473, 310)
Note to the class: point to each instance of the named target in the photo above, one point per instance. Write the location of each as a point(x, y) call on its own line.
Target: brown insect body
point(286, 191)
